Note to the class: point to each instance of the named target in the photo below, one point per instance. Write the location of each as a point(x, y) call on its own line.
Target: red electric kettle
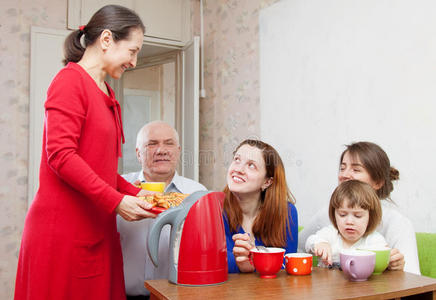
point(198, 252)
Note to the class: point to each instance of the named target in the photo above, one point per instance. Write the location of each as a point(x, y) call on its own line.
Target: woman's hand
point(241, 251)
point(134, 209)
point(396, 261)
point(324, 251)
point(144, 193)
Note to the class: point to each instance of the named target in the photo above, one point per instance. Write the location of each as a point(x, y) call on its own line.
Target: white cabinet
point(166, 20)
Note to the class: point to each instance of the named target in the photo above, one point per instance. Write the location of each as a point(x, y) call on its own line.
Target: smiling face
point(352, 169)
point(121, 55)
point(159, 152)
point(351, 222)
point(247, 173)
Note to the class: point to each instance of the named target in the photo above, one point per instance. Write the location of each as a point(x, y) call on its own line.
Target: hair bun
point(394, 174)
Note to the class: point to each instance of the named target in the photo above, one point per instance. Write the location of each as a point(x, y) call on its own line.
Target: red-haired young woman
point(258, 208)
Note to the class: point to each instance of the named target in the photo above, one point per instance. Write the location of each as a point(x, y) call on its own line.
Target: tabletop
point(321, 284)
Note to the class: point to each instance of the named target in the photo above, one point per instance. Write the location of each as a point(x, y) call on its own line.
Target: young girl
point(258, 208)
point(355, 213)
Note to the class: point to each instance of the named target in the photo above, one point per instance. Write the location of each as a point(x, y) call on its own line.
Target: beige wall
point(16, 19)
point(228, 114)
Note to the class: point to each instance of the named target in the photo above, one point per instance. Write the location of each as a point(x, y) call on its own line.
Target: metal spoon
point(258, 248)
point(262, 248)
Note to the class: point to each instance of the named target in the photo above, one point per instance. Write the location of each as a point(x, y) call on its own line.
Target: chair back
point(426, 243)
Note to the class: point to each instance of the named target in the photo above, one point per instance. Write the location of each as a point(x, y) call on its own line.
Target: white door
point(190, 109)
point(138, 107)
point(46, 54)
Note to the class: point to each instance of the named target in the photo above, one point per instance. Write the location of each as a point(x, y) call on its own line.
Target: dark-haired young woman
point(368, 162)
point(258, 208)
point(70, 247)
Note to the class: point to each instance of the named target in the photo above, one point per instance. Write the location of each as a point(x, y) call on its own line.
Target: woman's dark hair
point(118, 19)
point(376, 163)
point(272, 220)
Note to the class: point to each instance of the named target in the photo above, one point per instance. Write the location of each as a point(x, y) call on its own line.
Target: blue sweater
point(291, 242)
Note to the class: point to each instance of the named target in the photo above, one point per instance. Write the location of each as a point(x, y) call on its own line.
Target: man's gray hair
point(141, 133)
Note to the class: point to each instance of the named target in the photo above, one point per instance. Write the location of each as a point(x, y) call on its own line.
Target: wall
point(342, 71)
point(17, 16)
point(230, 112)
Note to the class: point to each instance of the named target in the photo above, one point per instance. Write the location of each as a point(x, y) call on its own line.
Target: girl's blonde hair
point(358, 194)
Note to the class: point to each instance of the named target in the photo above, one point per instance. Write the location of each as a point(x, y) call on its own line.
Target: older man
point(158, 152)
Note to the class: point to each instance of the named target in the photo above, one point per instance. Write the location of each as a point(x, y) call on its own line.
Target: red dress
point(70, 247)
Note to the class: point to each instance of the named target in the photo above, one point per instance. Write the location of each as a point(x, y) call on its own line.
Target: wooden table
point(321, 284)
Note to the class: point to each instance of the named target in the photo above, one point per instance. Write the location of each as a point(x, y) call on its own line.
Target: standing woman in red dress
point(70, 247)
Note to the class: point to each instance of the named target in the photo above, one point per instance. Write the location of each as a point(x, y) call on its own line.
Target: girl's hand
point(241, 251)
point(324, 251)
point(134, 209)
point(396, 261)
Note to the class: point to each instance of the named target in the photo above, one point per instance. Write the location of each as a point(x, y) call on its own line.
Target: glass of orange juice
point(153, 186)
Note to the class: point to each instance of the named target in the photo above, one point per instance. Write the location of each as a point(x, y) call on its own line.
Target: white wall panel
point(338, 71)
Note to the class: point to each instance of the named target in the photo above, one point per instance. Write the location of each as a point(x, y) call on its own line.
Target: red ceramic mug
point(298, 263)
point(267, 262)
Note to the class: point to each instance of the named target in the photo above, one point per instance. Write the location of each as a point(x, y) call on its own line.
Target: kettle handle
point(164, 218)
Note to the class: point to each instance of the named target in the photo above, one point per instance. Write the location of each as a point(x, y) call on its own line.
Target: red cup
point(267, 262)
point(298, 263)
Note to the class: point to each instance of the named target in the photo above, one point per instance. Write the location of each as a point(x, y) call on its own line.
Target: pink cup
point(357, 265)
point(267, 263)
